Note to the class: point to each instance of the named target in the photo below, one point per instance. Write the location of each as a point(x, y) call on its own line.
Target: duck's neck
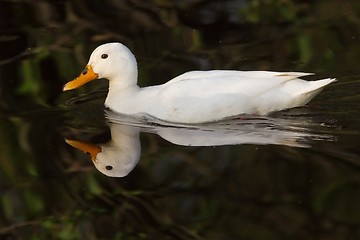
point(120, 84)
point(123, 84)
point(120, 92)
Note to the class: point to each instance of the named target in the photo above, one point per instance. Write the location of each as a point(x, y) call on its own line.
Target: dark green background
point(50, 191)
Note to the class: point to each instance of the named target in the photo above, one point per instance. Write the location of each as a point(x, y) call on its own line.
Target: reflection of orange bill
point(88, 148)
point(86, 76)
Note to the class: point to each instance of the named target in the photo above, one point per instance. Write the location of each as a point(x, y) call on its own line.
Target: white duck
point(196, 96)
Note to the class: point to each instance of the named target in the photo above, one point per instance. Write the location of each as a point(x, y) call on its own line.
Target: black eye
point(104, 56)
point(109, 168)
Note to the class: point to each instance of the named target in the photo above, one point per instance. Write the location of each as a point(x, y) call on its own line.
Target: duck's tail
point(295, 93)
point(313, 87)
point(306, 94)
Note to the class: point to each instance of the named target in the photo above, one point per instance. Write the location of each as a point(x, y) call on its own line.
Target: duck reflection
point(119, 156)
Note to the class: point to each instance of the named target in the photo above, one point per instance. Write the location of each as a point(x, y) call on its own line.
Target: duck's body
point(197, 96)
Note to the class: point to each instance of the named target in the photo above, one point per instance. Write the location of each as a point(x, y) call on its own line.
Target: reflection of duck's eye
point(109, 168)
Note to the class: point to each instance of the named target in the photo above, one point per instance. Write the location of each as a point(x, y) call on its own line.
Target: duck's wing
point(206, 96)
point(200, 84)
point(242, 75)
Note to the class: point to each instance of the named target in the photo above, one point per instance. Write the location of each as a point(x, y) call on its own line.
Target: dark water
point(292, 175)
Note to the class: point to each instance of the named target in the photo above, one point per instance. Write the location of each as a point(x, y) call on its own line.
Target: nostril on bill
point(85, 71)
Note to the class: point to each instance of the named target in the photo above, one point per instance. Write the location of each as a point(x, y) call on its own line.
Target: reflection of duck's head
point(117, 157)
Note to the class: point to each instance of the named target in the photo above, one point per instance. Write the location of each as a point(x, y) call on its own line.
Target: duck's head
point(113, 61)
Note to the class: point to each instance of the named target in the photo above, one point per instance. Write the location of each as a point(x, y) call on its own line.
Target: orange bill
point(87, 148)
point(86, 76)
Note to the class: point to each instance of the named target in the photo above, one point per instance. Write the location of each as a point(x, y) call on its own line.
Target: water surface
point(291, 175)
